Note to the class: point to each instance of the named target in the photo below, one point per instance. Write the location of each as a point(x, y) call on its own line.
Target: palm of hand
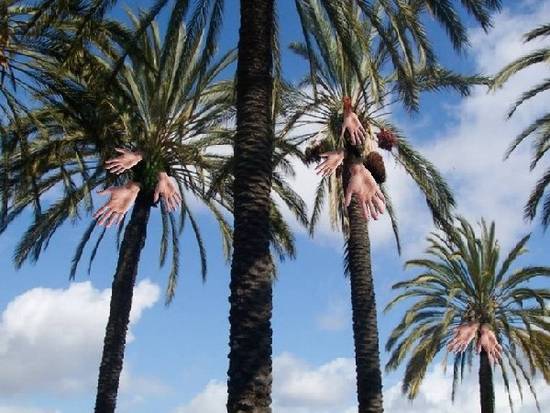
point(464, 334)
point(168, 190)
point(357, 132)
point(122, 198)
point(124, 162)
point(332, 161)
point(488, 342)
point(367, 193)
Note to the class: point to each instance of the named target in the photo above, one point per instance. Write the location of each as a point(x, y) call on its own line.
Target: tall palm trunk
point(121, 304)
point(486, 389)
point(250, 366)
point(365, 328)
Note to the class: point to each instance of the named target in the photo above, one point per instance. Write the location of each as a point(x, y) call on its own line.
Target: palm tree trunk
point(250, 366)
point(486, 389)
point(121, 304)
point(365, 328)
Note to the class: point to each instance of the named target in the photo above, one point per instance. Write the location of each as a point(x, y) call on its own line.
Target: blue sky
point(51, 330)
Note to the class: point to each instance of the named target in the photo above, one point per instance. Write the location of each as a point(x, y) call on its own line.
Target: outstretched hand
point(488, 342)
point(332, 160)
point(463, 336)
point(121, 200)
point(168, 190)
point(352, 124)
point(367, 192)
point(126, 160)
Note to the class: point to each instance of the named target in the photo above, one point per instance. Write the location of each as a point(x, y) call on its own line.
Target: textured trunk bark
point(365, 328)
point(249, 384)
point(486, 389)
point(121, 304)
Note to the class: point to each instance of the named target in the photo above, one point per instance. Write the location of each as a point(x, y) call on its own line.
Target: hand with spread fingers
point(367, 192)
point(125, 161)
point(122, 199)
point(332, 160)
point(352, 124)
point(488, 342)
point(463, 336)
point(168, 191)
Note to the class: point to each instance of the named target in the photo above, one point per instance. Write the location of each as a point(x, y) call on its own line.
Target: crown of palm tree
point(159, 103)
point(373, 93)
point(540, 128)
point(463, 280)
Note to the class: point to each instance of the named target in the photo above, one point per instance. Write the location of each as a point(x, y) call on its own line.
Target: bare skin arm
point(331, 162)
point(463, 336)
point(125, 161)
point(168, 191)
point(121, 200)
point(352, 124)
point(488, 342)
point(366, 191)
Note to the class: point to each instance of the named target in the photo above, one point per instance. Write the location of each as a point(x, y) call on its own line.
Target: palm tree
point(336, 81)
point(163, 103)
point(399, 29)
point(463, 281)
point(539, 129)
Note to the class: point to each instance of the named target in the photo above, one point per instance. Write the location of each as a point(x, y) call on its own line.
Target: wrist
point(163, 175)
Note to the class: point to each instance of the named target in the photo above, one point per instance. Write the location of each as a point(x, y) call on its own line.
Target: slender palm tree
point(463, 280)
point(399, 28)
point(539, 130)
point(159, 104)
point(321, 111)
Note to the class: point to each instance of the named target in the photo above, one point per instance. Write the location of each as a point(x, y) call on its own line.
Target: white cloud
point(435, 395)
point(20, 409)
point(210, 400)
point(330, 388)
point(64, 328)
point(336, 317)
point(297, 388)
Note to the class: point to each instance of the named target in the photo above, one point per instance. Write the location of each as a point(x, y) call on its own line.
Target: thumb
point(120, 150)
point(156, 195)
point(324, 155)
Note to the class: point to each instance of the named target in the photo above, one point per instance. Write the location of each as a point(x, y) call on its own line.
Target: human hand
point(352, 124)
point(167, 189)
point(366, 191)
point(122, 198)
point(488, 342)
point(463, 336)
point(123, 162)
point(332, 160)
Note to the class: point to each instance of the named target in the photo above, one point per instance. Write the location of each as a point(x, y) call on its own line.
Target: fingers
point(116, 168)
point(378, 204)
point(366, 212)
point(373, 210)
point(348, 195)
point(113, 219)
point(100, 211)
point(106, 216)
point(319, 168)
